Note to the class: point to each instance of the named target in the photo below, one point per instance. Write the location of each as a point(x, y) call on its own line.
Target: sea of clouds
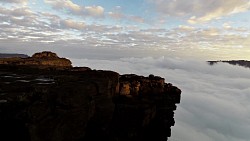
point(215, 102)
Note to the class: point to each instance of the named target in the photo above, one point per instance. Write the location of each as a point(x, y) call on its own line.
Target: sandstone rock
point(42, 60)
point(45, 54)
point(124, 88)
point(82, 104)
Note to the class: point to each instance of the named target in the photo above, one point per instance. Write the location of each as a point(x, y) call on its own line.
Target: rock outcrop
point(42, 60)
point(82, 104)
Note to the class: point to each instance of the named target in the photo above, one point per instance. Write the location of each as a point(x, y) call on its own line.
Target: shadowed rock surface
point(243, 63)
point(44, 103)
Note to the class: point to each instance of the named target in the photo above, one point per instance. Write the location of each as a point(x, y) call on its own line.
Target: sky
point(198, 29)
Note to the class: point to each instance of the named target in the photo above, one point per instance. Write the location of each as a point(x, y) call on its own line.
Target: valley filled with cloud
point(215, 99)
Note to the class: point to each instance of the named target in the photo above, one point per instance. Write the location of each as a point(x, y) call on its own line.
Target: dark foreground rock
point(79, 104)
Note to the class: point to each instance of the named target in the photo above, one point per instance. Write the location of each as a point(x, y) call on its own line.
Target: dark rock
point(83, 104)
point(243, 63)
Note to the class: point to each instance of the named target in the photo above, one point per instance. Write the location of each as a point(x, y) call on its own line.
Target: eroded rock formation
point(42, 59)
point(75, 104)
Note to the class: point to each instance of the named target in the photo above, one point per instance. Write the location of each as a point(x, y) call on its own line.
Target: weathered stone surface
point(83, 104)
point(45, 54)
point(42, 60)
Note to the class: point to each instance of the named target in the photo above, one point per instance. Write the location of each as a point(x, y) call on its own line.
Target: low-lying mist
point(215, 99)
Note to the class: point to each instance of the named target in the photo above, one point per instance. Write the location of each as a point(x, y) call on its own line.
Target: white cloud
point(24, 25)
point(199, 11)
point(95, 11)
point(72, 24)
point(15, 1)
point(226, 26)
point(215, 99)
point(185, 27)
point(117, 15)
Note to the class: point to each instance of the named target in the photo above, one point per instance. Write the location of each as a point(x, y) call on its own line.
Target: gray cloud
point(215, 100)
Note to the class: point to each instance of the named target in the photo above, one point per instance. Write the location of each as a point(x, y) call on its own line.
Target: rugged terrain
point(44, 98)
point(243, 63)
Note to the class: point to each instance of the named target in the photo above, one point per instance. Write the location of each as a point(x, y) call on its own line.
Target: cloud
point(72, 24)
point(226, 26)
point(200, 11)
point(215, 99)
point(117, 15)
point(185, 27)
point(15, 1)
point(23, 25)
point(29, 26)
point(95, 11)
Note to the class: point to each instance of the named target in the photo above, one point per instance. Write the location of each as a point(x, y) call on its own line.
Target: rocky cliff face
point(83, 104)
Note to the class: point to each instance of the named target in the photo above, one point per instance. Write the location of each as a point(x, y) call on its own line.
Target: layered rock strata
point(74, 104)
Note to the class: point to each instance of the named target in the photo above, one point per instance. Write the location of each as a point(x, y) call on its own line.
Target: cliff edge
point(77, 103)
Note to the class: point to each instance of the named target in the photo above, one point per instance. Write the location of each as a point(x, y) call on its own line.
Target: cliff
point(73, 104)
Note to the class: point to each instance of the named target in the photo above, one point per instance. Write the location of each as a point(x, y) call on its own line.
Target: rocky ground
point(44, 98)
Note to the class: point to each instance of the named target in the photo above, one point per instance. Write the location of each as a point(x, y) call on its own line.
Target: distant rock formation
point(4, 55)
point(42, 60)
point(243, 63)
point(78, 103)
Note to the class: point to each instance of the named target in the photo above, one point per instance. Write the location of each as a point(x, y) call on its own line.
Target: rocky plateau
point(44, 98)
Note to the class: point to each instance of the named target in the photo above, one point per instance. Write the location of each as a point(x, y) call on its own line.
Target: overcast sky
point(203, 29)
